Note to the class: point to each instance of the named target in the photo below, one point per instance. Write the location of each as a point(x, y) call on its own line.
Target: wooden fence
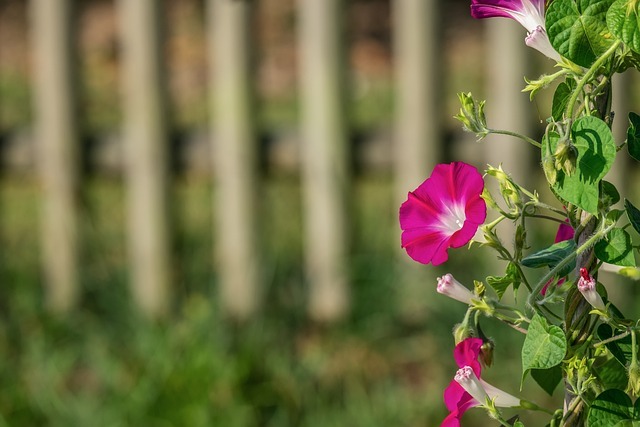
point(324, 162)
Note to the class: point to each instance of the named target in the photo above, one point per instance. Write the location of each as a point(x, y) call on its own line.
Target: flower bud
point(450, 287)
point(486, 353)
point(566, 156)
point(633, 386)
point(549, 168)
point(472, 115)
point(461, 332)
point(510, 190)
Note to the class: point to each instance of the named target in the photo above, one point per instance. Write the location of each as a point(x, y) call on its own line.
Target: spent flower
point(587, 287)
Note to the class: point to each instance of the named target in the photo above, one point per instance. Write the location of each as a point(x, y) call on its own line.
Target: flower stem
point(580, 249)
point(517, 135)
point(588, 76)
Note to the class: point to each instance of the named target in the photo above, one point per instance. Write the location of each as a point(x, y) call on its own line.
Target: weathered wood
point(324, 155)
point(235, 156)
point(145, 149)
point(507, 107)
point(57, 136)
point(418, 131)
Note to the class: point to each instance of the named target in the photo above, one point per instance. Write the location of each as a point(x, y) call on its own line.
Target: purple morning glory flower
point(529, 13)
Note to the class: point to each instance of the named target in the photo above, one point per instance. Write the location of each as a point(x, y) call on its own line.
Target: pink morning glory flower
point(444, 211)
point(587, 287)
point(456, 398)
point(528, 13)
point(565, 232)
point(467, 389)
point(450, 287)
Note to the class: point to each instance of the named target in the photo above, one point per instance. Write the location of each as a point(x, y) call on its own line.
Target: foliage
point(573, 332)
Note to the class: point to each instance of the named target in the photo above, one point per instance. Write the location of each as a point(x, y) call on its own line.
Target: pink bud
point(450, 287)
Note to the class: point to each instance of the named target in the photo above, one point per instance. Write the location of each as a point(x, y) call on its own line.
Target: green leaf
point(611, 373)
point(544, 347)
point(548, 379)
point(608, 193)
point(609, 408)
point(551, 256)
point(620, 349)
point(624, 23)
point(500, 284)
point(633, 214)
point(561, 98)
point(596, 148)
point(616, 248)
point(578, 29)
point(628, 423)
point(633, 136)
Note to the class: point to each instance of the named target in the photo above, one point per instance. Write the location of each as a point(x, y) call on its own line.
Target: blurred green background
point(385, 364)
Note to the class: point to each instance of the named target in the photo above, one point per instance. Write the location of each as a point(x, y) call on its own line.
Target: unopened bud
point(633, 386)
point(472, 115)
point(486, 353)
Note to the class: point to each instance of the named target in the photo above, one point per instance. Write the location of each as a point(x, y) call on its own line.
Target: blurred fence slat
point(235, 155)
point(145, 149)
point(417, 138)
point(324, 155)
point(418, 135)
point(56, 132)
point(507, 58)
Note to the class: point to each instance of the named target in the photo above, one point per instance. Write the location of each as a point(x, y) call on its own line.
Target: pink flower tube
point(444, 211)
point(565, 232)
point(456, 398)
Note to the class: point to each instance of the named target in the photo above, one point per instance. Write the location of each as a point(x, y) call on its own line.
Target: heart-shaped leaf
point(596, 150)
point(578, 29)
point(616, 248)
point(609, 408)
point(633, 136)
point(633, 214)
point(623, 21)
point(544, 347)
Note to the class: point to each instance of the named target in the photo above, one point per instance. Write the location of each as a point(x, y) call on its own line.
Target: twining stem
point(588, 76)
point(565, 261)
point(612, 339)
point(517, 135)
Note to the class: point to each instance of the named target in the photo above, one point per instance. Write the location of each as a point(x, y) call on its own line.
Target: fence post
point(324, 155)
point(508, 108)
point(417, 137)
point(235, 156)
point(57, 136)
point(145, 143)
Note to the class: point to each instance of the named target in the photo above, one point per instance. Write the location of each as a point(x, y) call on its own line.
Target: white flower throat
point(452, 219)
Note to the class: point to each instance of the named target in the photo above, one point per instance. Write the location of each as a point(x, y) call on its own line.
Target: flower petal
point(565, 232)
point(529, 13)
point(426, 246)
point(457, 401)
point(466, 354)
point(444, 211)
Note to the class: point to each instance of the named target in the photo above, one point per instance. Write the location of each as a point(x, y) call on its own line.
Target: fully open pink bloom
point(444, 211)
point(529, 13)
point(565, 232)
point(456, 398)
